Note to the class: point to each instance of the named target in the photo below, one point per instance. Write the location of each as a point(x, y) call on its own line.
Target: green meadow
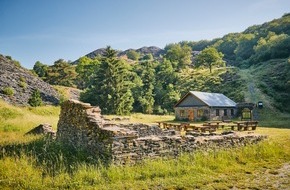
point(35, 162)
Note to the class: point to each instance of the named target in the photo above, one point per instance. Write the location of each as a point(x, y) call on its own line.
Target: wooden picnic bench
point(205, 127)
point(246, 125)
point(214, 123)
point(176, 126)
point(252, 124)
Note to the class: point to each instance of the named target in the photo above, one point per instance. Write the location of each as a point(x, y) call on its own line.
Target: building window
point(200, 113)
point(225, 112)
point(232, 112)
point(182, 113)
point(217, 112)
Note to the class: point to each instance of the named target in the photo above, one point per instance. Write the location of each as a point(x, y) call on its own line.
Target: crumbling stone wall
point(82, 126)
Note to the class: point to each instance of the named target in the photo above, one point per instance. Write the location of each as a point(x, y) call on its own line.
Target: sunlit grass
point(206, 170)
point(16, 121)
point(144, 118)
point(33, 162)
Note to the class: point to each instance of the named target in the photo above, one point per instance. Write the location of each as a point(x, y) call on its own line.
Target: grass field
point(33, 162)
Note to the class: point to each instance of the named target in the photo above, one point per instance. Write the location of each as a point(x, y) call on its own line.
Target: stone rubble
point(11, 77)
point(42, 129)
point(83, 127)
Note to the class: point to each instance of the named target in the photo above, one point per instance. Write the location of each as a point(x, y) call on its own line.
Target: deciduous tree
point(209, 57)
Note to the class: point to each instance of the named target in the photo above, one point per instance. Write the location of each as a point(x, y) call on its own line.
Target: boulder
point(42, 129)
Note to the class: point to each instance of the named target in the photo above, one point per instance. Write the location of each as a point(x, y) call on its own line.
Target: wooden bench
point(213, 123)
point(246, 125)
point(239, 125)
point(208, 127)
point(252, 124)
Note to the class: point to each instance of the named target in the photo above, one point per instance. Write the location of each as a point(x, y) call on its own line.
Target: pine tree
point(35, 99)
point(146, 99)
point(111, 87)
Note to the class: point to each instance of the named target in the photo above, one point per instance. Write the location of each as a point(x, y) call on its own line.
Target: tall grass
point(16, 121)
point(35, 162)
point(195, 170)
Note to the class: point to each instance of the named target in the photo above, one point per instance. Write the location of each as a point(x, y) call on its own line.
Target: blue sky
point(47, 30)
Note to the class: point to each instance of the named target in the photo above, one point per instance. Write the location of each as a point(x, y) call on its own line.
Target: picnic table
point(246, 125)
point(176, 126)
point(214, 123)
point(205, 127)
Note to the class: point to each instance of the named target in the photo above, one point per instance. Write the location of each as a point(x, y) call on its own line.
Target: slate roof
point(211, 99)
point(214, 99)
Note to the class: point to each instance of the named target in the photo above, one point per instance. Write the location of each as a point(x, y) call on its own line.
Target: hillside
point(17, 84)
point(156, 52)
point(256, 58)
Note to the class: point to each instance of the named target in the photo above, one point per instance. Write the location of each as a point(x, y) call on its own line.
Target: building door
point(191, 115)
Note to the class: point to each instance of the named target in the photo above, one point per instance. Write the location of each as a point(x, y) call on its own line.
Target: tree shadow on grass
point(53, 156)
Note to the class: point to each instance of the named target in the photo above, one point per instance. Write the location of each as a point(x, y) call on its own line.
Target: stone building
point(196, 106)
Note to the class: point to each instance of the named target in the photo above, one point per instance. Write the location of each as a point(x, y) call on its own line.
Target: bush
point(22, 84)
point(35, 99)
point(8, 91)
point(22, 79)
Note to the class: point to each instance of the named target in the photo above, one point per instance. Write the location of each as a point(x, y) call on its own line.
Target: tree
point(271, 47)
point(245, 46)
point(146, 98)
point(132, 54)
point(165, 76)
point(180, 55)
point(61, 73)
point(171, 97)
point(209, 57)
point(111, 86)
point(148, 57)
point(40, 69)
point(86, 70)
point(227, 45)
point(35, 99)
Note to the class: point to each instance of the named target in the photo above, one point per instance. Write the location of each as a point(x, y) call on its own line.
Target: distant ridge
point(155, 51)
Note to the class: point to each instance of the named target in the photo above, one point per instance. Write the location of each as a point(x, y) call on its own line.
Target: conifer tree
point(111, 87)
point(35, 99)
point(146, 99)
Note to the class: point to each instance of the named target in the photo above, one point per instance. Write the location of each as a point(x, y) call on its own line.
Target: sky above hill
point(45, 31)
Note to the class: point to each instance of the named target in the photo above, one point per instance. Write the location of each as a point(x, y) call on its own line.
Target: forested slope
point(150, 82)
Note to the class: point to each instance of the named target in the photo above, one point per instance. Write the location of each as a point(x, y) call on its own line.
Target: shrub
point(22, 79)
point(8, 91)
point(35, 99)
point(22, 84)
point(16, 63)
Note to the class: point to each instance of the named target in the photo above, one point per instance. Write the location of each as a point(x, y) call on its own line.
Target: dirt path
point(253, 93)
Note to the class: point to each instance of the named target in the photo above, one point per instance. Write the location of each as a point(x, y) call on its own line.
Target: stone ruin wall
point(83, 127)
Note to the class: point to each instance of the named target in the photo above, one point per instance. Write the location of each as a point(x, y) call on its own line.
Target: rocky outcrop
point(82, 126)
point(42, 129)
point(22, 82)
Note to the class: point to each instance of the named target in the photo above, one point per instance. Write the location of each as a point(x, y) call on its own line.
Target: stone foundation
point(83, 127)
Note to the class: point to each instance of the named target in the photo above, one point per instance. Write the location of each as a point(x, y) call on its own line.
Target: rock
point(23, 83)
point(42, 129)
